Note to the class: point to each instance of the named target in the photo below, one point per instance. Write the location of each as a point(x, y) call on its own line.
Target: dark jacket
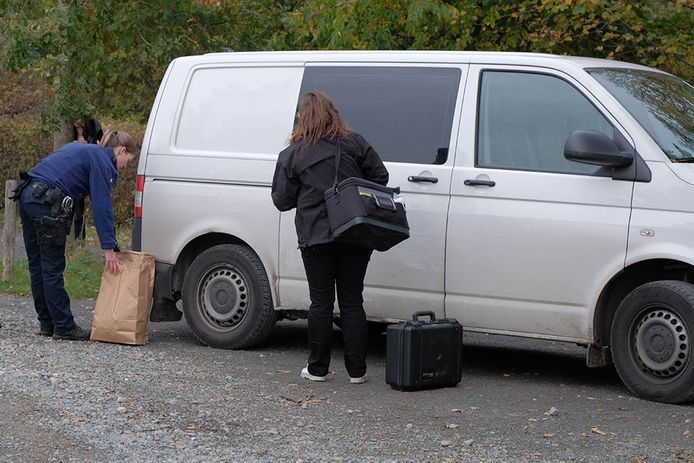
point(92, 131)
point(81, 169)
point(303, 173)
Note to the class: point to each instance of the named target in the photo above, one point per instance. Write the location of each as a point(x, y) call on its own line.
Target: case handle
point(422, 313)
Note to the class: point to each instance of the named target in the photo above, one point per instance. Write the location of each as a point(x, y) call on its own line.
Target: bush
point(23, 142)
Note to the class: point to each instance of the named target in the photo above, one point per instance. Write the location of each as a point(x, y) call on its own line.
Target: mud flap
point(164, 310)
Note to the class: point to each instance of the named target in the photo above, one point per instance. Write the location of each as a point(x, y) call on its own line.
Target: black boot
point(75, 334)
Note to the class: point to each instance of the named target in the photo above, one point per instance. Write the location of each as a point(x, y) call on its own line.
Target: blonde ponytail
point(113, 138)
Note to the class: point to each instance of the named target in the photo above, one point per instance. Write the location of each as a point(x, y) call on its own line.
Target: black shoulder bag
point(364, 213)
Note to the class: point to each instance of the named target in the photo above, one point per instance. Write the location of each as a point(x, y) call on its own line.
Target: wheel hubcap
point(223, 297)
point(662, 343)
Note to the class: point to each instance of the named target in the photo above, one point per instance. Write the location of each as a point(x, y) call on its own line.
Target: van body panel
point(684, 171)
point(666, 192)
point(217, 216)
point(237, 169)
point(413, 271)
point(544, 255)
point(662, 217)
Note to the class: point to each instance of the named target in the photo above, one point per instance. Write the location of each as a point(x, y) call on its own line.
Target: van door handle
point(420, 178)
point(476, 182)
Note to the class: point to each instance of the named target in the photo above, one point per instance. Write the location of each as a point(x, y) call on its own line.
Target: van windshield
point(661, 103)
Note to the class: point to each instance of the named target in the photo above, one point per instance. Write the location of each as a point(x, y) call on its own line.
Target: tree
point(654, 33)
point(108, 58)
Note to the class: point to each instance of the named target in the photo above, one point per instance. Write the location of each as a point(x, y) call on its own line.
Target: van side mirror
point(593, 147)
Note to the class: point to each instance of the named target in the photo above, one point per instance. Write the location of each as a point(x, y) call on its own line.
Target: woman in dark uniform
point(74, 171)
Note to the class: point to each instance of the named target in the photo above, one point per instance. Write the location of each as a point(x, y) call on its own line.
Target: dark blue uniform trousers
point(330, 266)
point(46, 267)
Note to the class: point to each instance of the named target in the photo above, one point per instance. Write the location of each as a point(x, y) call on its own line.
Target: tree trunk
point(9, 229)
point(62, 135)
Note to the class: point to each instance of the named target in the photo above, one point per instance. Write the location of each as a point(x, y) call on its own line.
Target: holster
point(54, 197)
point(24, 180)
point(52, 231)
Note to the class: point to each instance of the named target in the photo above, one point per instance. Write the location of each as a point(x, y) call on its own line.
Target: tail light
point(139, 192)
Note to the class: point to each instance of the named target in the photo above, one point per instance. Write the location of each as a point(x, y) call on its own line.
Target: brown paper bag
point(125, 299)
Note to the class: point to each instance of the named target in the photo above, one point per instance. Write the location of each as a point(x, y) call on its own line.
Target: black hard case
point(422, 355)
point(364, 214)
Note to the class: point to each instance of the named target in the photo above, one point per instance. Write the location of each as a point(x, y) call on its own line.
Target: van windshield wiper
point(687, 156)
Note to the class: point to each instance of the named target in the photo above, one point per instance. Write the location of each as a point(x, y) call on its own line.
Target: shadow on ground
point(536, 361)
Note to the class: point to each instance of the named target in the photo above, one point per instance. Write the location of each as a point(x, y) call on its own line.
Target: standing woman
point(74, 171)
point(305, 169)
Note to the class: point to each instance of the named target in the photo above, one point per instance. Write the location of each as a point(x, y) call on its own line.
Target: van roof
point(415, 56)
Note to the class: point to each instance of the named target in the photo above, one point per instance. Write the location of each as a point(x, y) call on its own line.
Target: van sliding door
point(406, 112)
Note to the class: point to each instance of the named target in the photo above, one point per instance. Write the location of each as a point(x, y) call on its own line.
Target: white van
point(548, 196)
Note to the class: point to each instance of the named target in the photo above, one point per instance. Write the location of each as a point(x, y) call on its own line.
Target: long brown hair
point(113, 138)
point(318, 117)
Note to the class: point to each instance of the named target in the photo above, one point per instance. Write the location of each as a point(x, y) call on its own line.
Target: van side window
point(406, 113)
point(525, 118)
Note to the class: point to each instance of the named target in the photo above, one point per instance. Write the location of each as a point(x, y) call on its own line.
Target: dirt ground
point(176, 400)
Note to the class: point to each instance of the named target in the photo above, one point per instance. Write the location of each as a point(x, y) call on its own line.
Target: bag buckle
point(390, 204)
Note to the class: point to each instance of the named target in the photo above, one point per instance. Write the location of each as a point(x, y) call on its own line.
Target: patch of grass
point(19, 284)
point(85, 264)
point(82, 275)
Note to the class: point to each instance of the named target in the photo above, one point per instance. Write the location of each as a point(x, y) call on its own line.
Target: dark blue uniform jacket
point(80, 169)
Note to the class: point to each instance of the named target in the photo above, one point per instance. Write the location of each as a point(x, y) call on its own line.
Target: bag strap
point(338, 156)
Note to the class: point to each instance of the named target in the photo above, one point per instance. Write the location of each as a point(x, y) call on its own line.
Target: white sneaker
point(360, 380)
point(305, 374)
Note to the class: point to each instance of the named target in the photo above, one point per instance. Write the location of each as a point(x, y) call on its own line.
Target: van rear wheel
point(226, 298)
point(651, 341)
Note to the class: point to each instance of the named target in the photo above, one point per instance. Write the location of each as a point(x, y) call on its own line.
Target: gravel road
point(174, 400)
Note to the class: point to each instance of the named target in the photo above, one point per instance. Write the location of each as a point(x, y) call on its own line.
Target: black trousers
point(46, 267)
point(329, 266)
point(78, 223)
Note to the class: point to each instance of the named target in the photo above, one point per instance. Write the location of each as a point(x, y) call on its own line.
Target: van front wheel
point(651, 341)
point(226, 298)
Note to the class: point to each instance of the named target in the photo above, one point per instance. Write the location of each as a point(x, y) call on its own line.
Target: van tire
point(226, 298)
point(652, 341)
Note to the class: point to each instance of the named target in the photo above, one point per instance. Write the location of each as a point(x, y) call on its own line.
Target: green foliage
point(653, 33)
point(22, 142)
point(107, 58)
